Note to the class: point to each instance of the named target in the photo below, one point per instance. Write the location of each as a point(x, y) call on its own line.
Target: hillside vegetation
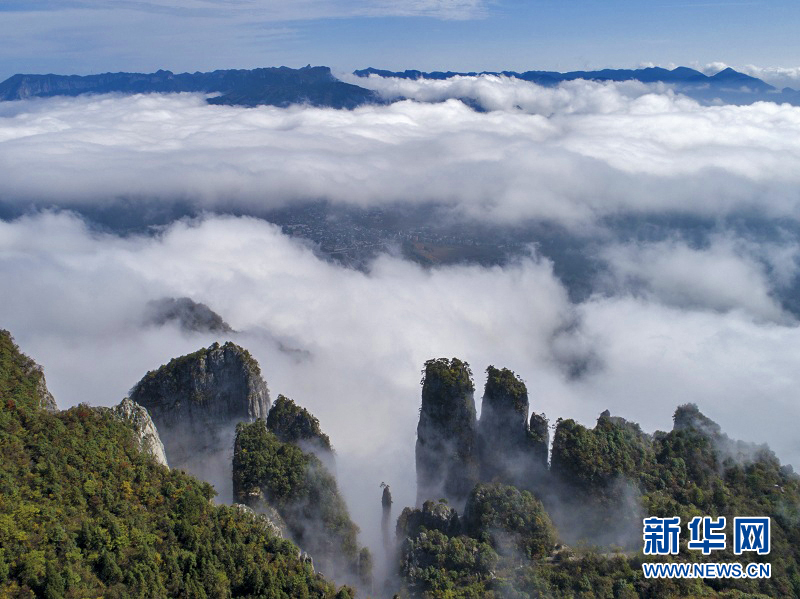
point(85, 513)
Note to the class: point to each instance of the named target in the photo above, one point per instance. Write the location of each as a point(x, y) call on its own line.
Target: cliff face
point(503, 428)
point(149, 440)
point(539, 439)
point(446, 458)
point(213, 384)
point(267, 516)
point(46, 399)
point(197, 400)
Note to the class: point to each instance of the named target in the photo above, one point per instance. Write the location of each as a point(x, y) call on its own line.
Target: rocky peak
point(188, 314)
point(593, 459)
point(505, 399)
point(270, 475)
point(294, 424)
point(503, 427)
point(512, 450)
point(386, 517)
point(222, 382)
point(386, 497)
point(434, 515)
point(197, 400)
point(689, 417)
point(445, 451)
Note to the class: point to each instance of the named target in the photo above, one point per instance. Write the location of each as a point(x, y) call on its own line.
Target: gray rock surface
point(46, 399)
point(138, 417)
point(539, 435)
point(267, 516)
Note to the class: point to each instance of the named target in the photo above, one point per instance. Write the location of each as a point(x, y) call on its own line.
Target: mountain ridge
point(317, 86)
point(645, 75)
point(277, 86)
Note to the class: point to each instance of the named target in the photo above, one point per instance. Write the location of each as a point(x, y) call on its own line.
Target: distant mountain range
point(682, 75)
point(282, 86)
point(727, 86)
point(276, 86)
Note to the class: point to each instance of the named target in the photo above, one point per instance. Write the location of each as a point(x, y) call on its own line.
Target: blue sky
point(88, 36)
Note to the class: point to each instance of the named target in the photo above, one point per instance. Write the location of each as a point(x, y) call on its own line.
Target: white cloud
point(570, 153)
point(780, 77)
point(737, 369)
point(726, 275)
point(712, 68)
point(509, 94)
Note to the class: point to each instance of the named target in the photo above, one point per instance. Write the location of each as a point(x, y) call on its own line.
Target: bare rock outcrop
point(267, 516)
point(46, 399)
point(149, 440)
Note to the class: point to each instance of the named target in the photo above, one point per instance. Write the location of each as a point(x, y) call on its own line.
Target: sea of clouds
point(570, 153)
point(669, 322)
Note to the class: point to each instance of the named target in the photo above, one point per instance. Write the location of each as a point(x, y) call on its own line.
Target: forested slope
point(85, 513)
